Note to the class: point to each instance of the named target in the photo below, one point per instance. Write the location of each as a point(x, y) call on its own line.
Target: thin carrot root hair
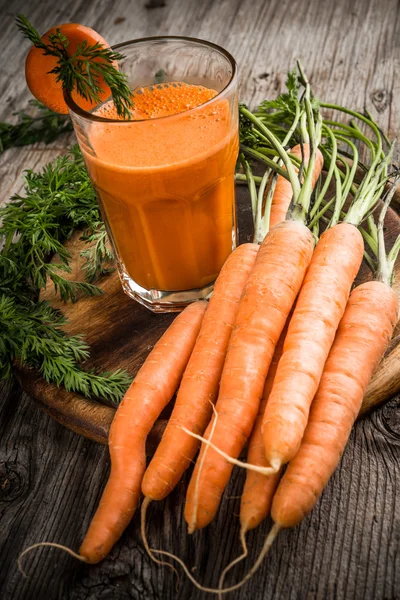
point(274, 468)
point(143, 513)
point(51, 545)
point(151, 551)
point(192, 525)
point(235, 561)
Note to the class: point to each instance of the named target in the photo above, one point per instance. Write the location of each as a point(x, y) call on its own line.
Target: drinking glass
point(165, 185)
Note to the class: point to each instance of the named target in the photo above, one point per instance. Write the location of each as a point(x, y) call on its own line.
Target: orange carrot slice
point(43, 84)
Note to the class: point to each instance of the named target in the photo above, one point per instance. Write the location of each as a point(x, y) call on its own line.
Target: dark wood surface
point(51, 479)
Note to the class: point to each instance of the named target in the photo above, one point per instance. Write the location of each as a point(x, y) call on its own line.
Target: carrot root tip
point(150, 551)
point(51, 545)
point(192, 524)
point(276, 464)
point(235, 561)
point(267, 544)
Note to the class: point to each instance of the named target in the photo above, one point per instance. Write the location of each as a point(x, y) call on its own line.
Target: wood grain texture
point(51, 479)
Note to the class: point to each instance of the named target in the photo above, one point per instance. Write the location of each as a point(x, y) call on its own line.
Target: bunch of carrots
point(280, 357)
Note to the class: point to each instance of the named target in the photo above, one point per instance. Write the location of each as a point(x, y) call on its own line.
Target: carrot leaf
point(43, 125)
point(57, 201)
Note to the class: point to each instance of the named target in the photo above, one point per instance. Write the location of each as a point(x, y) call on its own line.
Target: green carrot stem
point(383, 134)
point(370, 262)
point(301, 206)
point(338, 199)
point(303, 128)
point(268, 204)
point(291, 173)
point(373, 230)
point(371, 124)
point(346, 131)
point(320, 197)
point(258, 224)
point(369, 191)
point(266, 161)
point(261, 226)
point(321, 212)
point(270, 152)
point(250, 183)
point(354, 166)
point(369, 239)
point(393, 254)
point(241, 178)
point(384, 273)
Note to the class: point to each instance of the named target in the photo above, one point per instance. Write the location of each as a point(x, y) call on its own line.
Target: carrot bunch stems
point(324, 189)
point(312, 135)
point(262, 221)
point(301, 206)
point(368, 121)
point(242, 178)
point(386, 262)
point(274, 141)
point(250, 183)
point(261, 224)
point(262, 158)
point(306, 123)
point(369, 191)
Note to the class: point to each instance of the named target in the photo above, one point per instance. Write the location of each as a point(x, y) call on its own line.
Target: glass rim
point(76, 109)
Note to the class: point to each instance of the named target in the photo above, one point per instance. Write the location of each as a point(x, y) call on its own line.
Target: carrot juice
point(165, 177)
point(172, 213)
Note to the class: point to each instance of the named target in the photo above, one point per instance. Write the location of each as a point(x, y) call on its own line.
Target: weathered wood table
point(51, 479)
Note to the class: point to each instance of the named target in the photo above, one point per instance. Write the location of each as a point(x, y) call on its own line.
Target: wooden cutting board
point(121, 333)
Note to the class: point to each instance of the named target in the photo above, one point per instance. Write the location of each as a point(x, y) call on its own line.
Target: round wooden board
point(121, 333)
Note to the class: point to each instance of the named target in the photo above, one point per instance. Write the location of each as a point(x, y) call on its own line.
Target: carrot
point(199, 386)
point(283, 189)
point(152, 389)
point(43, 84)
point(362, 338)
point(259, 489)
point(320, 306)
point(269, 295)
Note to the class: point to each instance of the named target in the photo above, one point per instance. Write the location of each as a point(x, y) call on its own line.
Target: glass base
point(162, 301)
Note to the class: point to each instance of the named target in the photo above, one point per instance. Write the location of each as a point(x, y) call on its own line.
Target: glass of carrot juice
point(165, 178)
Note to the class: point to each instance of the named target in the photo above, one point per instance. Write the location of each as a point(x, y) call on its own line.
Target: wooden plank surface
point(51, 479)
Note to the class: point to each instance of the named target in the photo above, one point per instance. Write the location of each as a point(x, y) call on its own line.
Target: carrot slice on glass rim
point(44, 85)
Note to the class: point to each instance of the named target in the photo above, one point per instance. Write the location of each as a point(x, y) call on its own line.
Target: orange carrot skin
point(283, 188)
point(150, 392)
point(362, 338)
point(200, 382)
point(319, 308)
point(259, 489)
point(270, 292)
